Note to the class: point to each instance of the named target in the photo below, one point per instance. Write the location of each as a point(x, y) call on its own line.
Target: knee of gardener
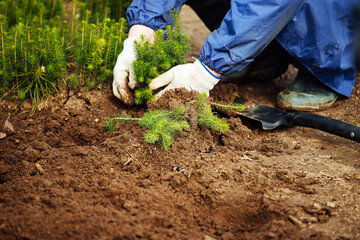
point(211, 12)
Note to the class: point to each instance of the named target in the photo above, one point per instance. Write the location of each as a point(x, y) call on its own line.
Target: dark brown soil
point(63, 176)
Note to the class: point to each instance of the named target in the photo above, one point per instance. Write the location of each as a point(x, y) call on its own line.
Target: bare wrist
point(213, 72)
point(138, 30)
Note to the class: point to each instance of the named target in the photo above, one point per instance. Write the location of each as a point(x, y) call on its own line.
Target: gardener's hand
point(192, 76)
point(124, 79)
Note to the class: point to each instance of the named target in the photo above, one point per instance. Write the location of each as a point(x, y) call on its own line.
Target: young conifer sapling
point(168, 50)
point(163, 125)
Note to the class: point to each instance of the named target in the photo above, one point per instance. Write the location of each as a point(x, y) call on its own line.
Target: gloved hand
point(124, 78)
point(191, 76)
point(123, 75)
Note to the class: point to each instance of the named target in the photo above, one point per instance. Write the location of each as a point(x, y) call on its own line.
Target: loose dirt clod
point(8, 127)
point(87, 192)
point(215, 190)
point(2, 135)
point(39, 167)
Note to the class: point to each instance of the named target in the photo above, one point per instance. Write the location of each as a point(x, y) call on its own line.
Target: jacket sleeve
point(248, 27)
point(152, 13)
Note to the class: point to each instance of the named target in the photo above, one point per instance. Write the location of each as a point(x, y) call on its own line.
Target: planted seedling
point(168, 50)
point(163, 125)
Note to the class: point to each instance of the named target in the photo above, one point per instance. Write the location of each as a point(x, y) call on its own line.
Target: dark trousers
point(211, 12)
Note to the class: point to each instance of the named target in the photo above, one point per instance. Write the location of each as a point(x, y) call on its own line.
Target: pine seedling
point(4, 41)
point(34, 62)
point(101, 9)
point(164, 132)
point(35, 13)
point(97, 48)
point(206, 117)
point(201, 102)
point(121, 118)
point(177, 41)
point(118, 8)
point(223, 106)
point(73, 21)
point(162, 125)
point(168, 50)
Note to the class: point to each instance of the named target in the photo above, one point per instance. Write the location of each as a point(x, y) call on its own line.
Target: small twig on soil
point(39, 168)
point(127, 163)
point(8, 127)
point(126, 119)
point(235, 107)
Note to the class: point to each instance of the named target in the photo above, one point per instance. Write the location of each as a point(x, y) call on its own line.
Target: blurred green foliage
point(32, 12)
point(102, 9)
point(32, 60)
point(97, 50)
point(43, 41)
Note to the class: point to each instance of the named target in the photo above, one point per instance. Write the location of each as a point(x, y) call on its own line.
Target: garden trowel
point(271, 118)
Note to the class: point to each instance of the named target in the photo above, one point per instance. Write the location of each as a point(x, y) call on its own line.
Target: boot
point(306, 93)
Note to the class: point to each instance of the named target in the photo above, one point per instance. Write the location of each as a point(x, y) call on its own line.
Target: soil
point(63, 176)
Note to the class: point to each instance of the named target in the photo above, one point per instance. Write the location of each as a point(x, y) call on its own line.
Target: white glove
point(124, 78)
point(191, 76)
point(123, 73)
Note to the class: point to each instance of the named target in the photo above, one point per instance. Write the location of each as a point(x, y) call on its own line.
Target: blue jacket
point(318, 33)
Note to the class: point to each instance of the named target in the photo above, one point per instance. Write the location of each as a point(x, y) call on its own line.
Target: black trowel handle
point(326, 124)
